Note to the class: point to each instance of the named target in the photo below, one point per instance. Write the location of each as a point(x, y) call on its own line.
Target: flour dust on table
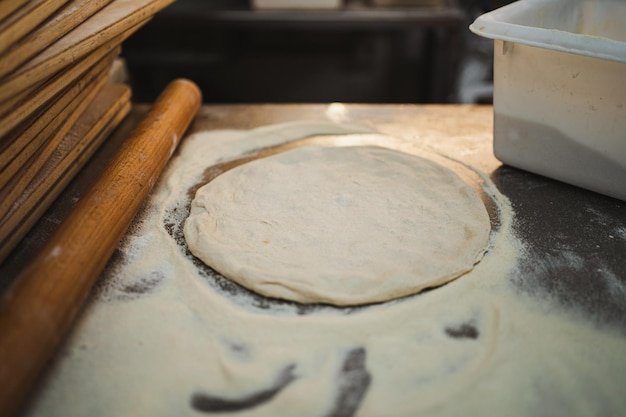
point(166, 335)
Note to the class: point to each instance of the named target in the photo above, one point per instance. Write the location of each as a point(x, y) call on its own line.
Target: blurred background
point(307, 51)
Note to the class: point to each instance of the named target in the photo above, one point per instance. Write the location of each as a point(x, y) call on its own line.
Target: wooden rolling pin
point(39, 308)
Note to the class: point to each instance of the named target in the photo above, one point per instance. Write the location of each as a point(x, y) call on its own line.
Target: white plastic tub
point(560, 89)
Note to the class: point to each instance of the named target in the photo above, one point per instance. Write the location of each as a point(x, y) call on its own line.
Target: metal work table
point(553, 218)
point(354, 15)
point(575, 240)
point(216, 39)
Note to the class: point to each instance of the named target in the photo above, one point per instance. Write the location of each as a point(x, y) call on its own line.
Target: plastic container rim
point(498, 25)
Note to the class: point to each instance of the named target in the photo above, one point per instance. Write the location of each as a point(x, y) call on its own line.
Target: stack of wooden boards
point(57, 102)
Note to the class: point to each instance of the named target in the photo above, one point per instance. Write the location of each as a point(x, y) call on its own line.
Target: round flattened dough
point(339, 225)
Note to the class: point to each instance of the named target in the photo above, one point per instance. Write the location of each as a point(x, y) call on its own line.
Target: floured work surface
point(537, 327)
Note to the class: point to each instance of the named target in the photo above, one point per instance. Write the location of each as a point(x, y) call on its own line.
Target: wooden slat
point(65, 20)
point(118, 18)
point(20, 138)
point(12, 192)
point(25, 20)
point(12, 103)
point(7, 7)
point(31, 103)
point(16, 172)
point(103, 114)
point(35, 96)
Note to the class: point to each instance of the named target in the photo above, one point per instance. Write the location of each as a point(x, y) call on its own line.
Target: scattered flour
point(186, 346)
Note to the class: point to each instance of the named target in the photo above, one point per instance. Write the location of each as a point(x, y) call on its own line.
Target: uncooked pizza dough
point(340, 225)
